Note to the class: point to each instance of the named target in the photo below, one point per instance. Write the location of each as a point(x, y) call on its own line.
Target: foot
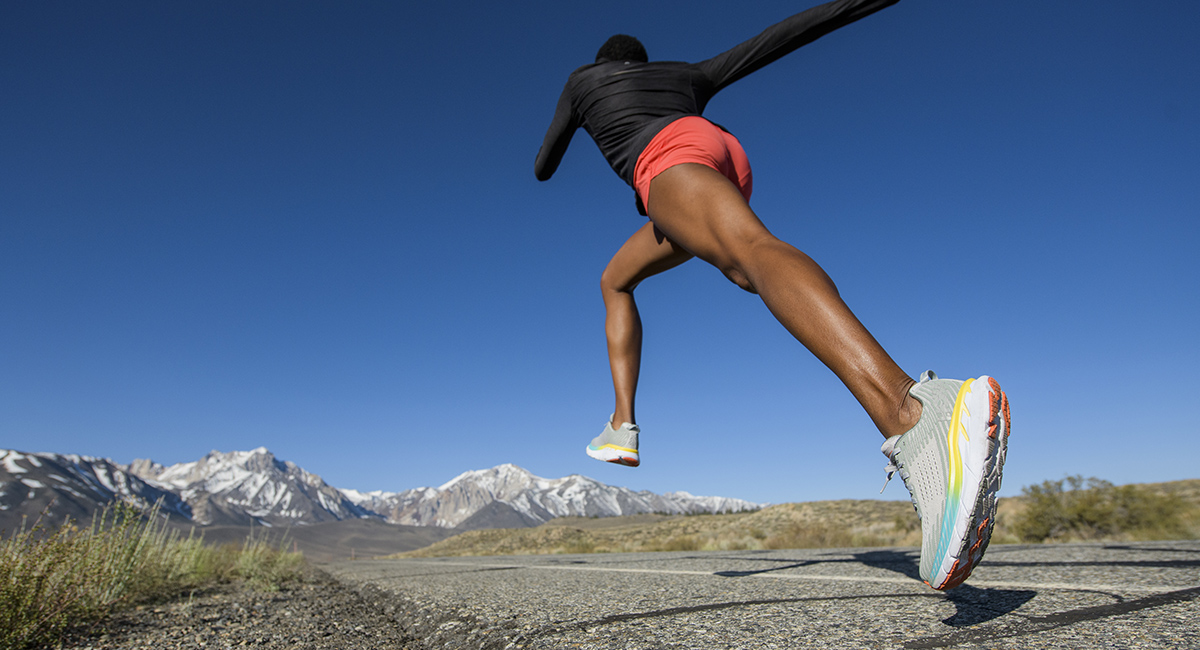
point(951, 463)
point(618, 446)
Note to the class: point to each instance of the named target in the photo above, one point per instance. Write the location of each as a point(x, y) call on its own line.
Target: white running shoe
point(618, 446)
point(951, 463)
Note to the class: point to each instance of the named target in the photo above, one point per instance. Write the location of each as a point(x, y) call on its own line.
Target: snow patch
point(10, 459)
point(105, 479)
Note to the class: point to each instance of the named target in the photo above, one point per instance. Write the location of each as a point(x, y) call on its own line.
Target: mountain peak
point(507, 495)
point(499, 475)
point(217, 455)
point(242, 487)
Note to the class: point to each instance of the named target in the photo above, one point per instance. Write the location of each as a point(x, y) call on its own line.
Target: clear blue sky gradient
point(315, 227)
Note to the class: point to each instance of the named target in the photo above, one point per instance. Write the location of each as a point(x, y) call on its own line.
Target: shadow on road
point(905, 562)
point(973, 605)
point(978, 605)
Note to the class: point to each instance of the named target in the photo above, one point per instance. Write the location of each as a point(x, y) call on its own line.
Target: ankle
point(910, 412)
point(906, 414)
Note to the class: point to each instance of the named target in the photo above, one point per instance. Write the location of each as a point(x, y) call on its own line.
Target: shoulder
point(617, 69)
point(588, 70)
point(581, 76)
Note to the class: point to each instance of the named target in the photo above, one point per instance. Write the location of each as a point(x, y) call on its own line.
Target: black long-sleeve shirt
point(624, 104)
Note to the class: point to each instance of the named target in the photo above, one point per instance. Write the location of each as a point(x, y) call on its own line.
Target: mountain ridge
point(255, 488)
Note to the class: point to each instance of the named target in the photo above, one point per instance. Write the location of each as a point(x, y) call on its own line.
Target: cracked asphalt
point(1137, 595)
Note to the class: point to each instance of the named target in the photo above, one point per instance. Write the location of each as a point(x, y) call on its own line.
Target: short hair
point(622, 47)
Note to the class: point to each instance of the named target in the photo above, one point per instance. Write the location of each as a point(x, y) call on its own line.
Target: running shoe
point(618, 446)
point(951, 464)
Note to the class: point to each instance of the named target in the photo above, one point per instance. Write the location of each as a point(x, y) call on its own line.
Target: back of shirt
point(623, 104)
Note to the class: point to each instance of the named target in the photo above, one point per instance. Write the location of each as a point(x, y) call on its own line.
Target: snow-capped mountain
point(510, 493)
point(241, 487)
point(245, 487)
point(56, 487)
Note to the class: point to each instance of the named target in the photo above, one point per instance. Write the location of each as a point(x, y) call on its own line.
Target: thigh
point(646, 253)
point(702, 211)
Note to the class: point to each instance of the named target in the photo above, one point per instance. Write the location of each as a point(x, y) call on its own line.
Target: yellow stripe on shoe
point(625, 449)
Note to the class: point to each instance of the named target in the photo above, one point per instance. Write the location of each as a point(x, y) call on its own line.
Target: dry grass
point(794, 525)
point(70, 577)
point(819, 524)
point(1078, 509)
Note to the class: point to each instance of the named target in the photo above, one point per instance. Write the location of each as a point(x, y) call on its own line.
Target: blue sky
point(315, 227)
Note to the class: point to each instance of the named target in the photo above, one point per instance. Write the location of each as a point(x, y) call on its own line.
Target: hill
point(819, 524)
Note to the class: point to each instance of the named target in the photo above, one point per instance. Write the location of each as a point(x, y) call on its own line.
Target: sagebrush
point(1082, 509)
point(51, 580)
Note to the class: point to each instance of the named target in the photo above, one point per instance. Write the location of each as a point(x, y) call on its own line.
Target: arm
point(558, 137)
point(785, 37)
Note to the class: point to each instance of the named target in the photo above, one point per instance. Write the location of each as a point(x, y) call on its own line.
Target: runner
point(946, 438)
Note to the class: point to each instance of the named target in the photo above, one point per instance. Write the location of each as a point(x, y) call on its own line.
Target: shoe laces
point(893, 466)
point(891, 469)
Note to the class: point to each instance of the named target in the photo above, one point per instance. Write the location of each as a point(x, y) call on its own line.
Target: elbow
point(539, 167)
point(542, 169)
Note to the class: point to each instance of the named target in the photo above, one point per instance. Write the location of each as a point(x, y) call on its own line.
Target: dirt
point(316, 613)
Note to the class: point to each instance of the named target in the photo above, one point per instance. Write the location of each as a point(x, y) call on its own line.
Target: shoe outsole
point(611, 455)
point(982, 518)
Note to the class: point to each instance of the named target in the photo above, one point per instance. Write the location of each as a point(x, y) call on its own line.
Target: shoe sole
point(614, 454)
point(978, 443)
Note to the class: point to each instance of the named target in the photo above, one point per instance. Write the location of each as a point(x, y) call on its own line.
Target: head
point(622, 48)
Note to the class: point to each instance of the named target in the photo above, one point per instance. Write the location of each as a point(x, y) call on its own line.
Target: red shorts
point(692, 139)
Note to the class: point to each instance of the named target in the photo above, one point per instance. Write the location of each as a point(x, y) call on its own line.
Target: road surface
point(1137, 595)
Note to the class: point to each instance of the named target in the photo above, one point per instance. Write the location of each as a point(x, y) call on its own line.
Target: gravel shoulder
point(1049, 597)
point(316, 613)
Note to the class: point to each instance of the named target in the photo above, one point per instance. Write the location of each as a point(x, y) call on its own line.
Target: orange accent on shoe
point(953, 579)
point(995, 399)
point(974, 548)
point(957, 576)
point(961, 571)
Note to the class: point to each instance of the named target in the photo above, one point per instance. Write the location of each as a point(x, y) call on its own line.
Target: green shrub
point(52, 580)
point(1076, 508)
point(267, 566)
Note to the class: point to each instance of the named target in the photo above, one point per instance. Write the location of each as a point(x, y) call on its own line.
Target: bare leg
point(702, 211)
point(644, 254)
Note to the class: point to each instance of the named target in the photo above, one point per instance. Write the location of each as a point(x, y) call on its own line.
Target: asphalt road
point(1141, 595)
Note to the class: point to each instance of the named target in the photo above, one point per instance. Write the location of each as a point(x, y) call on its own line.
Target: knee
point(612, 282)
point(742, 263)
